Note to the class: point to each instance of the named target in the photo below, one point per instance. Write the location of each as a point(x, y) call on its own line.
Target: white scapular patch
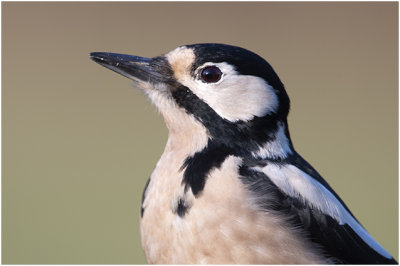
point(276, 149)
point(298, 184)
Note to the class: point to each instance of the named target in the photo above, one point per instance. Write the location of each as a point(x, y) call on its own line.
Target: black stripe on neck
point(242, 136)
point(226, 138)
point(198, 166)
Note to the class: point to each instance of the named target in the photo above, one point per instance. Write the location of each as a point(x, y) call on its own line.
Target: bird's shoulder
point(295, 190)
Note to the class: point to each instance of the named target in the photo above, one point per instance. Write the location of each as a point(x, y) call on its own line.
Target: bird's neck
point(187, 136)
point(278, 147)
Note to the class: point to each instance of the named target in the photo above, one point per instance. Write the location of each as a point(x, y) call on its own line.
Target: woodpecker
point(229, 187)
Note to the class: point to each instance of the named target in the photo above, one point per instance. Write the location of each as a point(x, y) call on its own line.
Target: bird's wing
point(303, 196)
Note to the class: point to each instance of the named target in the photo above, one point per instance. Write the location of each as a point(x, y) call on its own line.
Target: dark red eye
point(211, 74)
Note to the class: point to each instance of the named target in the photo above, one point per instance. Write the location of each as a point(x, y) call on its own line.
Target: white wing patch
point(296, 183)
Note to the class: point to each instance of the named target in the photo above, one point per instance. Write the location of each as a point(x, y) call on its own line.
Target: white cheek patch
point(234, 97)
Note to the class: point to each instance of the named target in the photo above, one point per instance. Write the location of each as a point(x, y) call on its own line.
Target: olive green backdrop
point(79, 141)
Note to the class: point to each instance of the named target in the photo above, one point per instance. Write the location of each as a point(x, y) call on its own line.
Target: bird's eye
point(211, 74)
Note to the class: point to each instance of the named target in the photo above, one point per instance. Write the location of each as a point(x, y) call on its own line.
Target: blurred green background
point(79, 141)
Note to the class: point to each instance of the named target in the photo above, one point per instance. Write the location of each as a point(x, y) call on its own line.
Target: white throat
point(186, 134)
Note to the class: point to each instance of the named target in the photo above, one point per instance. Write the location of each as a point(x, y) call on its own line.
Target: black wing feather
point(338, 242)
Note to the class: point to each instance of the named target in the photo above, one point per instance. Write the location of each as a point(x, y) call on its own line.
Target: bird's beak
point(130, 66)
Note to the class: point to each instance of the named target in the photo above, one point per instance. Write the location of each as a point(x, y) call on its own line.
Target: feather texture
point(313, 206)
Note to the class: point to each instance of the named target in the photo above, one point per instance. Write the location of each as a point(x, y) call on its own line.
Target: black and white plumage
point(229, 187)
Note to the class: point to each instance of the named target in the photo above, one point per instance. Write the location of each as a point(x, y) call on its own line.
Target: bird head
point(232, 92)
